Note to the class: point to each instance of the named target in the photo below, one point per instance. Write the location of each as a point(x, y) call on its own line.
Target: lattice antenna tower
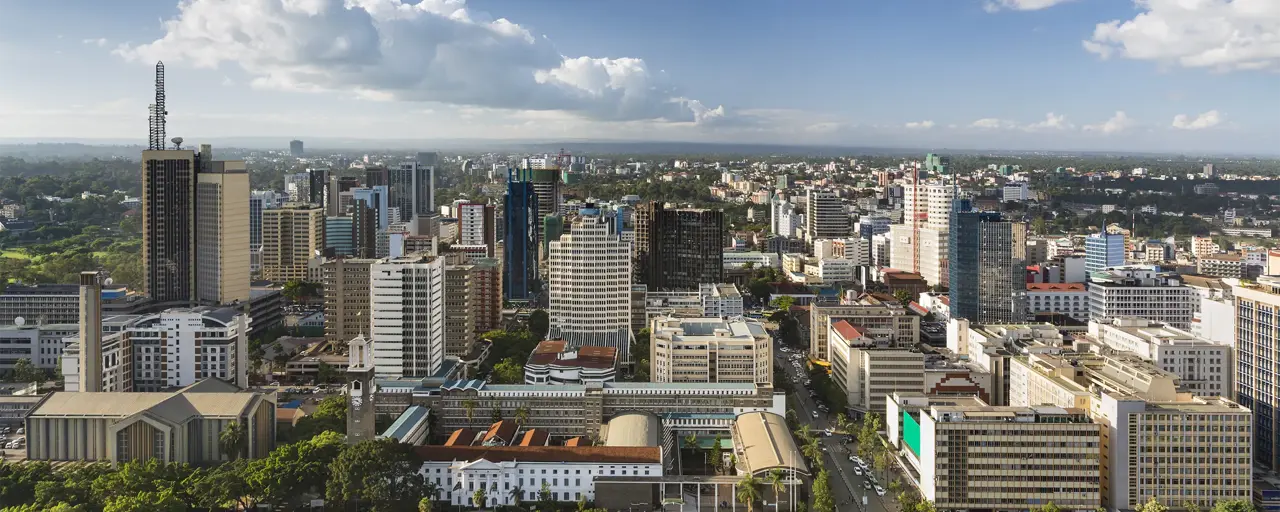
point(156, 140)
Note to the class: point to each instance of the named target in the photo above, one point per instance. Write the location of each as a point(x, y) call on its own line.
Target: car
point(851, 458)
point(866, 485)
point(879, 490)
point(857, 471)
point(824, 448)
point(814, 413)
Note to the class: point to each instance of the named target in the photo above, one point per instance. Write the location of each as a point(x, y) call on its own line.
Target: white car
point(857, 471)
point(815, 414)
point(879, 490)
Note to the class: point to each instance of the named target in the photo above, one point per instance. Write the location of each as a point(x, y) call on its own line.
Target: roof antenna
point(158, 112)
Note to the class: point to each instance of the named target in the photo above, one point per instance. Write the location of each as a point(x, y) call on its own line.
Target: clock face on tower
point(356, 401)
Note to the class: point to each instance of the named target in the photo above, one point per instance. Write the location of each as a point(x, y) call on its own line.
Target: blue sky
point(1163, 75)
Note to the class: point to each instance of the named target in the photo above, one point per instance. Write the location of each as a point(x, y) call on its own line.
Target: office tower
point(589, 275)
point(222, 232)
point(936, 163)
point(711, 350)
point(779, 210)
point(295, 148)
point(338, 232)
point(1143, 292)
point(297, 187)
point(545, 178)
point(487, 285)
point(412, 189)
point(291, 237)
point(346, 298)
point(259, 200)
point(887, 320)
point(90, 331)
point(824, 216)
point(338, 187)
point(318, 186)
point(168, 224)
point(461, 296)
point(475, 226)
point(678, 249)
point(377, 176)
point(407, 303)
point(1257, 388)
point(987, 267)
point(1209, 171)
point(520, 240)
point(1103, 250)
point(376, 199)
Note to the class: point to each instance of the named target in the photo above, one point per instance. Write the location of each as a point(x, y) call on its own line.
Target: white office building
point(1016, 192)
point(1204, 367)
point(42, 344)
point(713, 350)
point(406, 302)
point(589, 285)
point(923, 251)
point(1143, 292)
point(740, 259)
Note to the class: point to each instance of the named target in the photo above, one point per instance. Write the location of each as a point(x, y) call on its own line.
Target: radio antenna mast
point(156, 138)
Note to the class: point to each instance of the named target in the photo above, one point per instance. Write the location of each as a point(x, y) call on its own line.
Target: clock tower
point(360, 391)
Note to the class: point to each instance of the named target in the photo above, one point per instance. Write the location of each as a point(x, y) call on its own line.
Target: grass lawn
point(17, 254)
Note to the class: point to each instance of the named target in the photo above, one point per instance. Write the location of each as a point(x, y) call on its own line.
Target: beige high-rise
point(461, 295)
point(291, 237)
point(712, 350)
point(222, 233)
point(346, 298)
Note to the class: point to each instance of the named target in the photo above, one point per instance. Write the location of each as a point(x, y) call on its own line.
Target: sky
point(1111, 75)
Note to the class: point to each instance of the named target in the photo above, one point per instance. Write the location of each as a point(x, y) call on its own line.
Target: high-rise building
point(936, 163)
point(824, 216)
point(1143, 292)
point(407, 303)
point(1103, 250)
point(711, 350)
point(222, 232)
point(295, 148)
point(259, 200)
point(338, 237)
point(1209, 171)
point(291, 237)
point(318, 187)
point(987, 258)
point(678, 249)
point(476, 225)
point(486, 276)
point(168, 224)
point(297, 187)
point(346, 298)
point(412, 187)
point(589, 281)
point(520, 242)
point(461, 298)
point(1257, 387)
point(337, 192)
point(545, 178)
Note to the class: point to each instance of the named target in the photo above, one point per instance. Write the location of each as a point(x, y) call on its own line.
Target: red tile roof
point(1055, 287)
point(461, 437)
point(589, 454)
point(597, 357)
point(504, 431)
point(534, 437)
point(847, 330)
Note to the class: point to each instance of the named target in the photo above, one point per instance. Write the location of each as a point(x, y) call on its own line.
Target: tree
point(717, 453)
point(222, 487)
point(424, 504)
point(842, 422)
point(1234, 506)
point(516, 494)
point(539, 323)
point(295, 471)
point(147, 501)
point(507, 371)
point(382, 472)
point(777, 480)
point(326, 373)
point(869, 436)
point(330, 415)
point(479, 498)
point(691, 442)
point(522, 415)
point(470, 406)
point(783, 303)
point(1050, 507)
point(232, 440)
point(748, 491)
point(924, 506)
point(813, 450)
point(299, 291)
point(496, 414)
point(545, 498)
point(1191, 506)
point(903, 296)
point(793, 421)
point(822, 499)
point(760, 289)
point(906, 501)
point(25, 371)
point(1151, 506)
point(881, 463)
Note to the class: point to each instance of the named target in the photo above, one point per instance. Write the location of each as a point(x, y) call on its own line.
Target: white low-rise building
point(735, 259)
point(551, 363)
point(1203, 367)
point(1070, 299)
point(1143, 292)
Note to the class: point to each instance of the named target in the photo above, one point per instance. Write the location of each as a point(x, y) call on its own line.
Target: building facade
point(520, 240)
point(1070, 299)
point(222, 233)
point(407, 304)
point(734, 350)
point(678, 249)
point(589, 278)
point(824, 216)
point(346, 298)
point(1203, 367)
point(987, 267)
point(1257, 387)
point(1143, 292)
point(884, 317)
point(1102, 251)
point(291, 237)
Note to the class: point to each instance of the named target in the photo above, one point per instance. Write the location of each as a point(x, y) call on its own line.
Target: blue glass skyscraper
point(520, 244)
point(1102, 250)
point(987, 267)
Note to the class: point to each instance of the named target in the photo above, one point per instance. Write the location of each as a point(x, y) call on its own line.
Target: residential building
point(715, 350)
point(520, 242)
point(291, 237)
point(883, 315)
point(589, 277)
point(987, 267)
point(407, 306)
point(552, 363)
point(1102, 251)
point(1257, 388)
point(825, 216)
point(1143, 292)
point(179, 347)
point(346, 298)
point(1070, 299)
point(1222, 265)
point(171, 427)
point(222, 233)
point(1204, 246)
point(678, 249)
point(476, 226)
point(1203, 367)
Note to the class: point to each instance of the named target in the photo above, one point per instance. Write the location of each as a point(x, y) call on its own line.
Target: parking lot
point(13, 443)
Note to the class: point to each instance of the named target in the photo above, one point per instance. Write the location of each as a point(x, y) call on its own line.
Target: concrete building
point(866, 373)
point(476, 226)
point(1143, 292)
point(222, 233)
point(715, 350)
point(1070, 299)
point(552, 363)
point(346, 298)
point(173, 427)
point(1222, 265)
point(678, 249)
point(882, 316)
point(987, 267)
point(169, 224)
point(824, 216)
point(922, 251)
point(1016, 192)
point(1203, 367)
point(589, 277)
point(711, 300)
point(468, 296)
point(292, 236)
point(736, 259)
point(1257, 314)
point(407, 305)
point(42, 344)
point(1204, 246)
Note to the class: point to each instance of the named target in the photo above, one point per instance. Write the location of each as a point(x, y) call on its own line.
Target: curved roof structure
point(762, 443)
point(633, 429)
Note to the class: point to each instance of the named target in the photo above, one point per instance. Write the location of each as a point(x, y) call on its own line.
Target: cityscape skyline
point(1010, 80)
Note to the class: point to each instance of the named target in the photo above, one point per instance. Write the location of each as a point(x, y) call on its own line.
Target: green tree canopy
point(381, 472)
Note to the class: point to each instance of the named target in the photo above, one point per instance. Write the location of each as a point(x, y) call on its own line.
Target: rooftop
point(1055, 287)
point(199, 399)
point(578, 454)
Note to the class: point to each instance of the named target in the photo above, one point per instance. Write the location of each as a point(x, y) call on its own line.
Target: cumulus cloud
point(1116, 124)
point(1051, 122)
point(991, 123)
point(1216, 34)
point(920, 125)
point(1206, 120)
point(1020, 5)
point(433, 50)
point(101, 41)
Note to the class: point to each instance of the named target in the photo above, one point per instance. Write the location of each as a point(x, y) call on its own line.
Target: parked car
point(879, 490)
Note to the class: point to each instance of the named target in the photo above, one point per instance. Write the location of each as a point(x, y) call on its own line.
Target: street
point(847, 486)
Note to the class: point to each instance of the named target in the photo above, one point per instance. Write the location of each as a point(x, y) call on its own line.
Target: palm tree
point(516, 493)
point(231, 439)
point(778, 481)
point(748, 491)
point(496, 415)
point(479, 497)
point(470, 405)
point(424, 504)
point(842, 422)
point(691, 442)
point(522, 415)
point(427, 501)
point(812, 449)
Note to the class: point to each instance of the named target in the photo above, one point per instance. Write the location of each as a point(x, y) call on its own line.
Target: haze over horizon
point(1053, 75)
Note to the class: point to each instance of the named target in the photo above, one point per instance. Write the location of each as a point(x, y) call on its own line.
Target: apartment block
point(825, 216)
point(291, 237)
point(1221, 265)
point(714, 350)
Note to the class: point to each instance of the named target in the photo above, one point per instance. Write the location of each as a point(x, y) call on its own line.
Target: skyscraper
point(291, 237)
point(545, 178)
point(222, 232)
point(825, 217)
point(1257, 386)
point(520, 242)
point(318, 186)
point(259, 200)
point(168, 224)
point(475, 226)
point(1102, 250)
point(407, 303)
point(678, 249)
point(295, 148)
point(987, 257)
point(346, 298)
point(589, 277)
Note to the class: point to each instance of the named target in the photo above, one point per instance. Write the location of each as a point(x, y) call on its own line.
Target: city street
point(847, 486)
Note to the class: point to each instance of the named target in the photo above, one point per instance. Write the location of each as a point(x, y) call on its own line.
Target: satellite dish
point(19, 321)
point(177, 142)
point(108, 281)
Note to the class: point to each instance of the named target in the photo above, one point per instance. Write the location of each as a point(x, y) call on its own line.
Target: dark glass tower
point(520, 244)
point(987, 259)
point(678, 249)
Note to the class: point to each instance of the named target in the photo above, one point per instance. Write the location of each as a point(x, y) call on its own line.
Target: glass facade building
point(520, 241)
point(987, 256)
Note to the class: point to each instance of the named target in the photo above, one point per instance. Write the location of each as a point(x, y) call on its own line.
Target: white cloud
point(1206, 120)
point(1118, 123)
point(430, 51)
point(1217, 34)
point(100, 42)
point(991, 123)
point(1020, 5)
point(920, 125)
point(1051, 122)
